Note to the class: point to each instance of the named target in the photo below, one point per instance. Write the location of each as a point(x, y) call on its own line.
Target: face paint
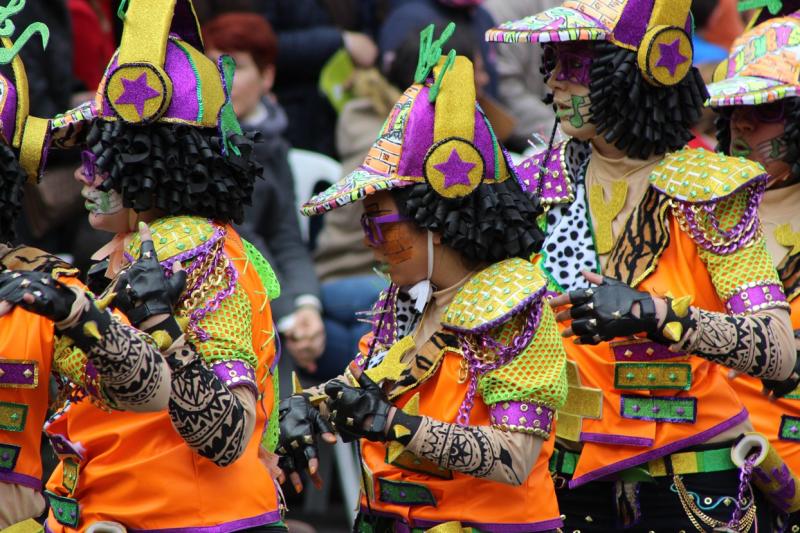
point(102, 203)
point(395, 247)
point(572, 64)
point(740, 148)
point(577, 113)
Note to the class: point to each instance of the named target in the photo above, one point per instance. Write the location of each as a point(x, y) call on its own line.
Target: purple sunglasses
point(89, 172)
point(372, 226)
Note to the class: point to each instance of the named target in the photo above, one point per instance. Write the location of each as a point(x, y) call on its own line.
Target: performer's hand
point(607, 310)
point(301, 425)
point(359, 412)
point(778, 389)
point(143, 291)
point(37, 292)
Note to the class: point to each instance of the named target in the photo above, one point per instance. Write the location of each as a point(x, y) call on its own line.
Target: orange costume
point(134, 468)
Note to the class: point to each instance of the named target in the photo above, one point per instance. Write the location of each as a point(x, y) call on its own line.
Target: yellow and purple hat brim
point(749, 90)
point(557, 24)
point(356, 186)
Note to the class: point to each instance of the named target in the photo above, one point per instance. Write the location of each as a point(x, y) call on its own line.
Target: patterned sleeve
point(524, 393)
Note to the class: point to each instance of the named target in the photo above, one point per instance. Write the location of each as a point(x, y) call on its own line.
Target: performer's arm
point(216, 421)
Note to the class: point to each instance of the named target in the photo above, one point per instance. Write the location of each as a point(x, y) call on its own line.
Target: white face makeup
point(102, 203)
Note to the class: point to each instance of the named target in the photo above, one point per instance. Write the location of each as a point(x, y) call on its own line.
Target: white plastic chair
point(309, 170)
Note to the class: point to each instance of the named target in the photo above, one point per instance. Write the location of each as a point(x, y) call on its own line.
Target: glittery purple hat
point(436, 134)
point(160, 73)
point(658, 30)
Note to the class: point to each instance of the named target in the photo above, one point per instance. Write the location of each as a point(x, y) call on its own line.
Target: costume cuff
point(236, 373)
point(524, 417)
point(756, 296)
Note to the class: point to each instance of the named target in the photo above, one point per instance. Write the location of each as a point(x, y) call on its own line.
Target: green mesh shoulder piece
point(229, 329)
point(538, 374)
point(264, 269)
point(270, 440)
point(751, 264)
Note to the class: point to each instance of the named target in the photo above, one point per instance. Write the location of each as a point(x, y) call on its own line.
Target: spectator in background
point(94, 41)
point(521, 86)
point(271, 223)
point(407, 17)
point(310, 32)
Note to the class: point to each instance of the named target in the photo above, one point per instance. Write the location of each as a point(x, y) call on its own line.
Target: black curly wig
point(635, 116)
point(12, 185)
point(176, 168)
point(791, 134)
point(493, 223)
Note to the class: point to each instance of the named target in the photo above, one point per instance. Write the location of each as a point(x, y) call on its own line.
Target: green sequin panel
point(70, 474)
point(64, 509)
point(790, 428)
point(13, 416)
point(8, 457)
point(647, 376)
point(403, 493)
point(659, 409)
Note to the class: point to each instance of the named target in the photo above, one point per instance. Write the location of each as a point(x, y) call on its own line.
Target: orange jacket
point(135, 469)
point(708, 407)
point(450, 495)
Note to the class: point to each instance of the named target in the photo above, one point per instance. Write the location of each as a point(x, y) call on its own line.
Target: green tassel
point(228, 123)
point(430, 51)
point(773, 6)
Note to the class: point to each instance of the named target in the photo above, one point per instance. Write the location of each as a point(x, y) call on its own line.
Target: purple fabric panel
point(483, 141)
point(670, 448)
point(14, 373)
point(418, 136)
point(13, 478)
point(184, 105)
point(108, 111)
point(622, 440)
point(184, 24)
point(260, 520)
point(64, 447)
point(633, 22)
point(9, 112)
point(753, 299)
point(643, 351)
point(401, 526)
point(556, 186)
point(236, 374)
point(91, 378)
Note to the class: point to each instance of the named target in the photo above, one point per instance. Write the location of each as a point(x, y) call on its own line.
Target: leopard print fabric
point(644, 239)
point(34, 260)
point(789, 271)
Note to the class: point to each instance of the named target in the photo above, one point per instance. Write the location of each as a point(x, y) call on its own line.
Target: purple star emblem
point(455, 170)
point(671, 56)
point(137, 92)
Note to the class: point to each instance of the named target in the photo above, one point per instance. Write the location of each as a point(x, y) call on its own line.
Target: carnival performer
point(659, 251)
point(162, 146)
point(757, 99)
point(41, 300)
point(453, 395)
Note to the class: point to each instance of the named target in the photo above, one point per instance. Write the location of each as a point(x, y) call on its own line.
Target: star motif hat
point(29, 135)
point(436, 134)
point(763, 66)
point(658, 30)
point(159, 74)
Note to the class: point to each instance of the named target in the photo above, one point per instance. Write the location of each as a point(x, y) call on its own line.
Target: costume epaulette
point(714, 197)
point(695, 175)
point(35, 260)
point(178, 237)
point(556, 183)
point(493, 296)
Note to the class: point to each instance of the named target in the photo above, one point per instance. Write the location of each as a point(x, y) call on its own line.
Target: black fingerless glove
point(301, 424)
point(604, 312)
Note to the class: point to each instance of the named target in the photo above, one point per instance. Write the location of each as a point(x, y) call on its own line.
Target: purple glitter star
point(455, 170)
point(137, 92)
point(671, 56)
